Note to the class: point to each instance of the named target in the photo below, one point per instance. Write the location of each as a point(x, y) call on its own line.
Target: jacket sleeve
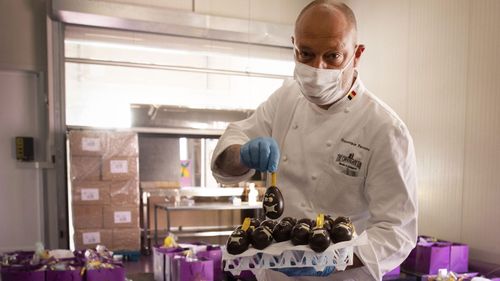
point(259, 124)
point(390, 190)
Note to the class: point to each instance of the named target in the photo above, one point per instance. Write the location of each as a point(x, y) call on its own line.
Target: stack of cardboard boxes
point(105, 190)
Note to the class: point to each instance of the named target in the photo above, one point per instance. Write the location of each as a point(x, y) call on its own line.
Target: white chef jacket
point(355, 159)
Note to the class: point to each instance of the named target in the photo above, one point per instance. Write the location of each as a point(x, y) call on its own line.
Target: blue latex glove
point(261, 153)
point(306, 271)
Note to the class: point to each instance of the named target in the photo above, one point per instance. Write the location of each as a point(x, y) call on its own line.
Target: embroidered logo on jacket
point(349, 161)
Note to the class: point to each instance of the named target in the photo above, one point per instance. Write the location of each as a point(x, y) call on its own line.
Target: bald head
point(324, 10)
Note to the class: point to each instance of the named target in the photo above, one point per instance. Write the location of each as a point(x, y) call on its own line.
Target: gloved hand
point(261, 153)
point(306, 271)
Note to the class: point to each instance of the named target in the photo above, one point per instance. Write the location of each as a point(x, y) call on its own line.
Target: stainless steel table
point(199, 207)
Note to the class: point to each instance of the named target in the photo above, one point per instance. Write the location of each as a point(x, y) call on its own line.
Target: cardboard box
point(120, 168)
point(90, 193)
point(85, 168)
point(121, 216)
point(126, 239)
point(90, 238)
point(87, 216)
point(122, 144)
point(124, 193)
point(87, 143)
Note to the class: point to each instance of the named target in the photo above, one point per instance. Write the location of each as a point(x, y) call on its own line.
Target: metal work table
point(199, 207)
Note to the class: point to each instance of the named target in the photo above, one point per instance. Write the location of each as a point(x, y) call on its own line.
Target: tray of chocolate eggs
point(269, 244)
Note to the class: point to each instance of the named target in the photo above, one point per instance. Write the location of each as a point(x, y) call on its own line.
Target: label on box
point(123, 217)
point(118, 166)
point(91, 238)
point(91, 144)
point(90, 194)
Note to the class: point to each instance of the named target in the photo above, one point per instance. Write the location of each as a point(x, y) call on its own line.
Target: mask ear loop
point(342, 73)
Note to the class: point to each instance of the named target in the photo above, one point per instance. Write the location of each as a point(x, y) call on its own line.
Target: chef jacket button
point(295, 126)
point(313, 177)
point(285, 158)
point(328, 143)
point(347, 109)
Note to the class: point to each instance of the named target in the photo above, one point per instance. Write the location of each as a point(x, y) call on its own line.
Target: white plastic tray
point(285, 254)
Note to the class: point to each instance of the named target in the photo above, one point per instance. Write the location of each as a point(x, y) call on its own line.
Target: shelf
point(205, 234)
point(195, 191)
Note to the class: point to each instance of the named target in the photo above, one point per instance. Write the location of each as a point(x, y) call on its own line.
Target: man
point(340, 150)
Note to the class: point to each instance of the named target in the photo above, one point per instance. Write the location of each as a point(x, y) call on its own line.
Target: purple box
point(459, 258)
point(430, 258)
point(196, 270)
point(214, 254)
point(395, 272)
point(163, 262)
point(108, 274)
point(429, 255)
point(14, 275)
point(410, 263)
point(64, 275)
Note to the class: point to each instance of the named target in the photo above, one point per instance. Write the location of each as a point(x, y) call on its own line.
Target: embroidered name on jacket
point(349, 161)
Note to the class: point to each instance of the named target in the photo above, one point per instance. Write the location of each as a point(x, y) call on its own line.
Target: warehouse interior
point(126, 99)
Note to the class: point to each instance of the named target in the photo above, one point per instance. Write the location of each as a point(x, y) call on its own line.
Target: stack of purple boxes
point(175, 264)
point(432, 254)
point(25, 266)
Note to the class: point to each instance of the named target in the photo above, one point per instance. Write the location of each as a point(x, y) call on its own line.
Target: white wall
point(22, 34)
point(21, 212)
point(437, 64)
point(22, 58)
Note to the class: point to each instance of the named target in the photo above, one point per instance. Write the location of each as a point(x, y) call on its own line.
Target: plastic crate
point(286, 255)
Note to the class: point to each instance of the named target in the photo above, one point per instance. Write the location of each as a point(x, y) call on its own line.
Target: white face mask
point(320, 86)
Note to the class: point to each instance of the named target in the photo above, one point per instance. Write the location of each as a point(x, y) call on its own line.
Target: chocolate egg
point(249, 231)
point(310, 222)
point(269, 223)
point(273, 203)
point(328, 223)
point(255, 222)
point(292, 221)
point(343, 219)
point(261, 237)
point(282, 231)
point(237, 242)
point(341, 232)
point(300, 234)
point(319, 239)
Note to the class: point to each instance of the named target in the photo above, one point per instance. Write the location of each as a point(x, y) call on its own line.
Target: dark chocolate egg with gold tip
point(282, 231)
point(261, 237)
point(237, 242)
point(273, 203)
point(254, 223)
point(319, 239)
point(341, 232)
point(300, 234)
point(269, 223)
point(328, 223)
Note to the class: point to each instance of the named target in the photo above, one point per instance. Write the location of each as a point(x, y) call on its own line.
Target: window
point(108, 70)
